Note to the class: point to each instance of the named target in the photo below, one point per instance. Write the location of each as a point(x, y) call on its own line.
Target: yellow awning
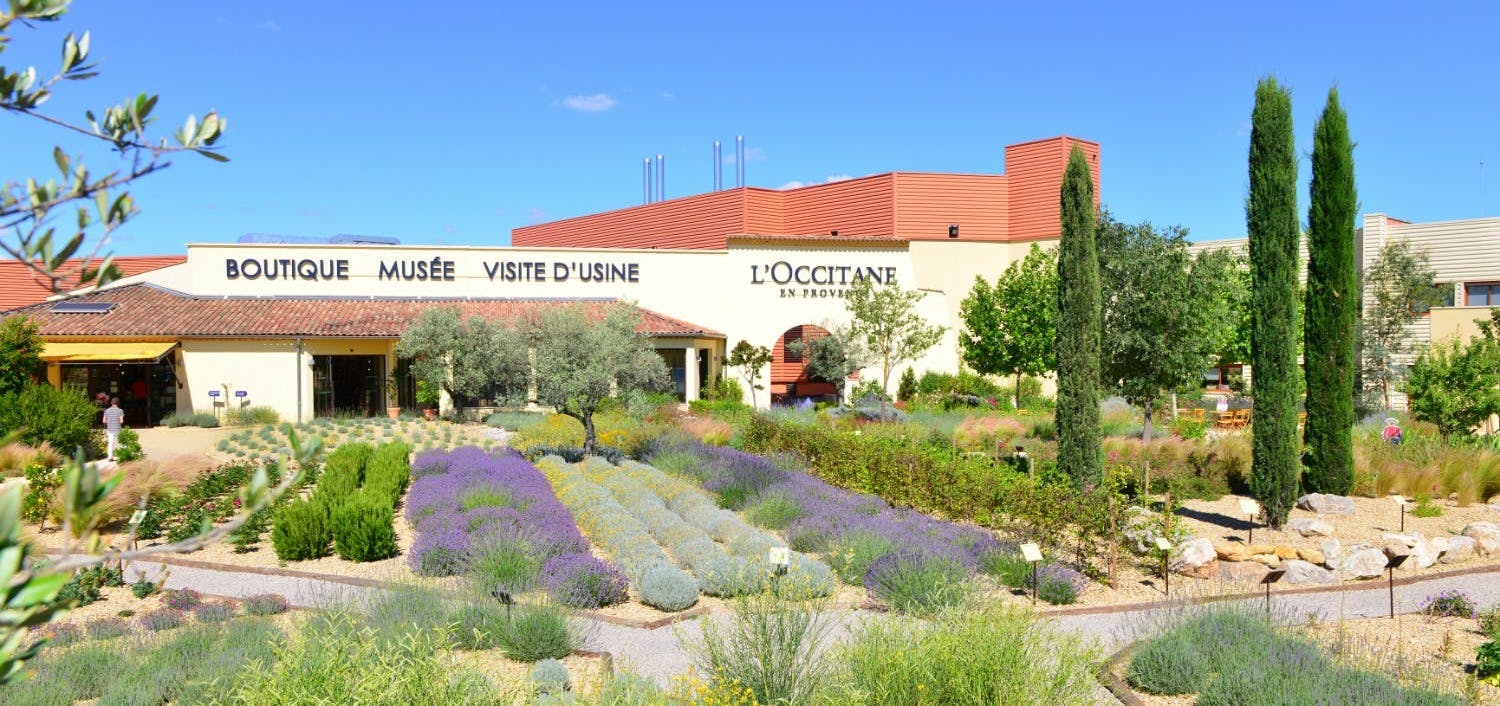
point(126, 352)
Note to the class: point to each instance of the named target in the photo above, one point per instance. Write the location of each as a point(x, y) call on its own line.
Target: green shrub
point(206, 420)
point(144, 588)
point(914, 583)
point(178, 419)
point(513, 421)
point(84, 586)
point(667, 588)
point(1007, 566)
point(730, 576)
point(503, 564)
point(249, 416)
point(549, 676)
point(266, 604)
point(129, 446)
point(536, 632)
point(106, 628)
point(1489, 622)
point(343, 473)
point(1168, 665)
point(1487, 661)
point(301, 531)
point(364, 528)
point(1425, 507)
point(62, 417)
point(389, 471)
point(1190, 428)
point(852, 554)
point(769, 647)
point(41, 490)
point(992, 655)
point(774, 511)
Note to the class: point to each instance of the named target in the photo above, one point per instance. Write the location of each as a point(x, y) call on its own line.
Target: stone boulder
point(1192, 555)
point(1363, 562)
point(1311, 556)
point(1310, 527)
point(1423, 552)
point(1460, 549)
point(1232, 552)
point(1285, 551)
point(1302, 572)
point(1332, 549)
point(1325, 504)
point(1270, 560)
point(1486, 536)
point(1242, 571)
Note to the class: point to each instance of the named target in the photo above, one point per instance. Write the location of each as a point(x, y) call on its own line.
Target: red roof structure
point(1019, 205)
point(19, 286)
point(149, 311)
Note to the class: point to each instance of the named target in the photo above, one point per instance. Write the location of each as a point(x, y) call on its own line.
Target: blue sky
point(456, 125)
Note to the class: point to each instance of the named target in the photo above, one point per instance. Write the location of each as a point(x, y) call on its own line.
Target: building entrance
point(348, 385)
point(147, 391)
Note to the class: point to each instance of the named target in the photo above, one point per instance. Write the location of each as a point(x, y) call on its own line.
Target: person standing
point(114, 417)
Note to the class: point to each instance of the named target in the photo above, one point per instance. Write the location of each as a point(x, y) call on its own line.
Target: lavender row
point(622, 536)
point(495, 518)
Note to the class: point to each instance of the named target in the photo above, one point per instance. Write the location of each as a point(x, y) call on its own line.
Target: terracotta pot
point(430, 414)
point(393, 412)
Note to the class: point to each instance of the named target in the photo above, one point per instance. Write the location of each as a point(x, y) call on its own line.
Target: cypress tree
point(1332, 307)
point(1078, 328)
point(1272, 224)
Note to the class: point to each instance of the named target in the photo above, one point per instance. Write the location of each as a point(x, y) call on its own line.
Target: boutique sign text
point(435, 269)
point(817, 281)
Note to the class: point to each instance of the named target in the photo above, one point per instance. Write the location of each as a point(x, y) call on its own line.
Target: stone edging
point(653, 624)
point(1365, 585)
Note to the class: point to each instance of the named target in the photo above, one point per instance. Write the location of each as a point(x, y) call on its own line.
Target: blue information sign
point(241, 393)
point(213, 393)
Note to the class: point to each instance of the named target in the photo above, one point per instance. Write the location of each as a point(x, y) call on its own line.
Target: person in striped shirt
point(114, 418)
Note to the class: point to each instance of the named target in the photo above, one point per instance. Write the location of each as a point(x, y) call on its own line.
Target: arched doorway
point(789, 379)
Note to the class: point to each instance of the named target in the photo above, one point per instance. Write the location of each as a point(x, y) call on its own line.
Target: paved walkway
point(659, 654)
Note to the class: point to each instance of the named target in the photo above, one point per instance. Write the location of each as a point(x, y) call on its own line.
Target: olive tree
point(582, 358)
point(467, 357)
point(749, 359)
point(31, 206)
point(885, 322)
point(831, 358)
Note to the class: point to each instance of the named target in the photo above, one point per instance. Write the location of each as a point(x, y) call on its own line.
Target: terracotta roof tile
point(18, 286)
point(145, 310)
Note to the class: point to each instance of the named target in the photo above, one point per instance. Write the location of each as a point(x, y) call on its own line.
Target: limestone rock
point(1425, 554)
point(1332, 549)
point(1242, 571)
point(1486, 536)
point(1302, 572)
point(1192, 555)
point(1325, 504)
point(1460, 549)
point(1394, 549)
point(1262, 549)
point(1270, 560)
point(1310, 527)
point(1232, 552)
point(1363, 562)
point(1311, 556)
point(1285, 551)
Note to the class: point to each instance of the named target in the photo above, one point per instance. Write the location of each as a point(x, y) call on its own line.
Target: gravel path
point(658, 653)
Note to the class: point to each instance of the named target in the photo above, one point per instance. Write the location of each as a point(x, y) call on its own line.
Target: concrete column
point(690, 373)
point(54, 374)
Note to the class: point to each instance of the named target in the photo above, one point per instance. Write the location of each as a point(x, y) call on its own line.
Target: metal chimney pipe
point(646, 181)
point(650, 180)
point(739, 160)
point(718, 171)
point(661, 178)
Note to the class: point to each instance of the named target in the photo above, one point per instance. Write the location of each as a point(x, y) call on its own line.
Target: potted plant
point(427, 399)
point(393, 396)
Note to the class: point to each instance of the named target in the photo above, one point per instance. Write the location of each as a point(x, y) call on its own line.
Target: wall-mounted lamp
point(953, 230)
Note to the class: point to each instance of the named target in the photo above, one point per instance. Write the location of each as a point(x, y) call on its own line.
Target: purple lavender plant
point(524, 513)
point(583, 581)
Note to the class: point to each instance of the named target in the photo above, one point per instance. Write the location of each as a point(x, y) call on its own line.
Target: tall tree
point(1010, 328)
point(29, 207)
point(1165, 314)
point(749, 359)
point(1456, 385)
point(884, 320)
point(1331, 306)
point(581, 360)
point(1078, 328)
point(1272, 224)
point(1398, 285)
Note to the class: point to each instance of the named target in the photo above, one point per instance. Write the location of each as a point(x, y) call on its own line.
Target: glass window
point(1482, 294)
